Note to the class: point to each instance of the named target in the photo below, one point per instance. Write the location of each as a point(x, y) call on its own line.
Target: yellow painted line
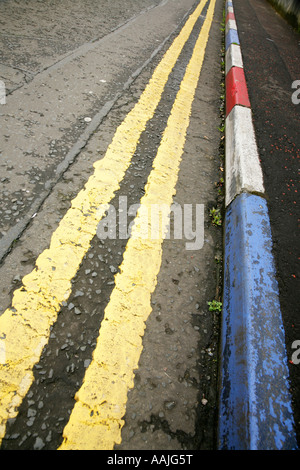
point(25, 326)
point(96, 419)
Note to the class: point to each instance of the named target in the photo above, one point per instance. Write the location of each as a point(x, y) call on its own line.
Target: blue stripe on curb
point(255, 404)
point(231, 38)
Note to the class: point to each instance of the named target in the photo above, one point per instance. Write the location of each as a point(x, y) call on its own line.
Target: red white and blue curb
point(255, 407)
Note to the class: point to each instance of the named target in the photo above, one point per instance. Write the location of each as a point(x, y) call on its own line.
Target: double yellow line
point(96, 419)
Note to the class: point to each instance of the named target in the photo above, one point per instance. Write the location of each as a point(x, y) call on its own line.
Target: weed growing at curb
point(215, 216)
point(215, 306)
point(217, 212)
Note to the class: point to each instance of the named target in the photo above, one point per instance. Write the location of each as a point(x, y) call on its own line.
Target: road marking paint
point(96, 419)
point(25, 326)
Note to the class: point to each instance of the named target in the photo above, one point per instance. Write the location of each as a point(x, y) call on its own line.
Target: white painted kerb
point(242, 171)
point(233, 58)
point(231, 24)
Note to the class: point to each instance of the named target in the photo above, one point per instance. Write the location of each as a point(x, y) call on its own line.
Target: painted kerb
point(255, 409)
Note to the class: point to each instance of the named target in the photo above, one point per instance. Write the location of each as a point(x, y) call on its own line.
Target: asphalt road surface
point(109, 105)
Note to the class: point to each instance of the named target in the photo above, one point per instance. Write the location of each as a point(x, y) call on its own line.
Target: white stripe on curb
point(243, 171)
point(231, 24)
point(233, 58)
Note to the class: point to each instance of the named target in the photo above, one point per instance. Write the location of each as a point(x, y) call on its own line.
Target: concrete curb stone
point(255, 411)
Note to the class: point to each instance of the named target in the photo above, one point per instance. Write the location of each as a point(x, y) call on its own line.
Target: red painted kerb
point(236, 89)
point(230, 16)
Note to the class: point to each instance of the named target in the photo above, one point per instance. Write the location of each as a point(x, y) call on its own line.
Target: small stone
point(31, 412)
point(79, 293)
point(39, 444)
point(30, 421)
point(169, 405)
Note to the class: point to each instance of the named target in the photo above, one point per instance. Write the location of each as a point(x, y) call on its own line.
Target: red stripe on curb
point(236, 89)
point(230, 16)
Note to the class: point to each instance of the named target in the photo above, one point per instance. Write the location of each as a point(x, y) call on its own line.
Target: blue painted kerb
point(255, 403)
point(231, 38)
